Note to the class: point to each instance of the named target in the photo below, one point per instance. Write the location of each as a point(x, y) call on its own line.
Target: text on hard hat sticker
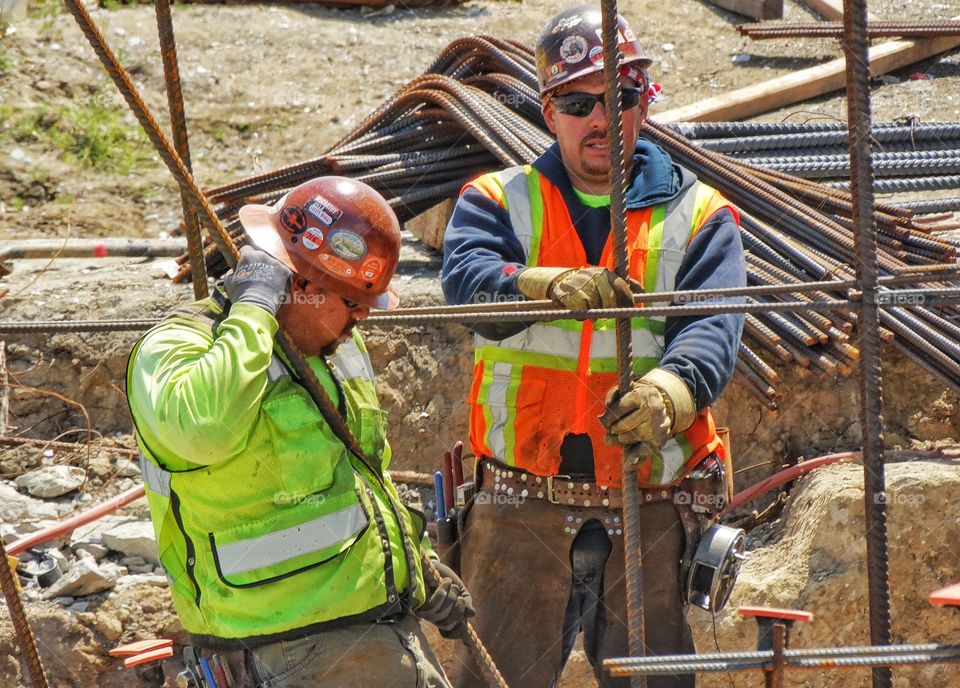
point(348, 245)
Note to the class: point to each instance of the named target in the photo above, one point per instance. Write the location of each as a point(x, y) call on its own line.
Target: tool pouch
point(239, 663)
point(699, 498)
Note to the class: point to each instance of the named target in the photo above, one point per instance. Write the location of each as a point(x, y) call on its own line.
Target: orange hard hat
point(335, 232)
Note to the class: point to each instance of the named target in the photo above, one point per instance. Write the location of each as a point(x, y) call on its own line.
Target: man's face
point(583, 140)
point(317, 319)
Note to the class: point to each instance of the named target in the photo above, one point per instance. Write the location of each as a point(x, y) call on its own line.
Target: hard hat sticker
point(337, 266)
point(323, 210)
point(293, 219)
point(312, 238)
point(573, 49)
point(372, 267)
point(596, 54)
point(348, 245)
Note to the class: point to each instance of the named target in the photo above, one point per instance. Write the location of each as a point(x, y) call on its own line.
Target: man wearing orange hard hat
point(286, 553)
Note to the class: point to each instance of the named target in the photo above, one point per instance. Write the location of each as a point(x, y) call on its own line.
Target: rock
point(151, 579)
point(15, 507)
point(52, 481)
point(133, 539)
point(108, 625)
point(94, 549)
point(85, 577)
point(63, 601)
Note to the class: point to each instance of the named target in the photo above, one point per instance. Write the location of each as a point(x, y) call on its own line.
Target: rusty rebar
point(855, 51)
point(21, 626)
point(178, 126)
point(829, 29)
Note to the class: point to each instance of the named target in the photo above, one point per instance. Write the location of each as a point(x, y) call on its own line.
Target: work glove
point(259, 279)
point(577, 288)
point(448, 606)
point(657, 407)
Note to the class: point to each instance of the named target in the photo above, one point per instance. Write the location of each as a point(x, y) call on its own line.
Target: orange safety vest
point(533, 388)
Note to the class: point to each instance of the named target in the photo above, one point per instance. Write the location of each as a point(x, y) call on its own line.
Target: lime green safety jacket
point(267, 526)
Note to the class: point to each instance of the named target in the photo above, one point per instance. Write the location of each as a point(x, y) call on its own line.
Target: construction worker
point(542, 546)
point(276, 538)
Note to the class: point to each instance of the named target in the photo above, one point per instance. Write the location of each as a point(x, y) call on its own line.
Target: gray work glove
point(259, 279)
point(449, 606)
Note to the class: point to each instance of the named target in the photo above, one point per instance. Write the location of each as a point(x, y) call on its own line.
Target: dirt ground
point(266, 86)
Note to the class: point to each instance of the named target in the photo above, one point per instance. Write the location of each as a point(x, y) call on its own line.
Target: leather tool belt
point(559, 489)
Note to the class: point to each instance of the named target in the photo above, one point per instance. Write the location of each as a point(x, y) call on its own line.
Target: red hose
point(785, 476)
point(75, 522)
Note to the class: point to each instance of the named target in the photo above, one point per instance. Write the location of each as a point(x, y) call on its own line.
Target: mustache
point(594, 136)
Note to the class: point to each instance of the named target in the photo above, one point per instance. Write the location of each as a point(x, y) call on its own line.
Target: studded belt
point(559, 489)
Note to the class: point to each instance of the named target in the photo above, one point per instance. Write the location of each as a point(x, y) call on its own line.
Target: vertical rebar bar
point(618, 191)
point(181, 143)
point(865, 252)
point(20, 625)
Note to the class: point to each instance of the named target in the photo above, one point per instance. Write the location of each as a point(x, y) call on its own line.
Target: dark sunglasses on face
point(351, 305)
point(579, 104)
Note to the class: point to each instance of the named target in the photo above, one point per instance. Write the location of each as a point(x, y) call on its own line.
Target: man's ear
point(549, 113)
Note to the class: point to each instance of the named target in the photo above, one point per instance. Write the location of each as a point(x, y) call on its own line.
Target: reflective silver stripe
point(516, 191)
point(540, 339)
point(675, 237)
point(157, 479)
point(350, 363)
point(673, 460)
point(497, 403)
point(276, 370)
point(282, 545)
point(674, 240)
point(604, 344)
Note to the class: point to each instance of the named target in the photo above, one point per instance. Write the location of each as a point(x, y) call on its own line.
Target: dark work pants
point(540, 572)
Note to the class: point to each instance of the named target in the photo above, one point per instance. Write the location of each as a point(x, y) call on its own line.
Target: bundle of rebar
point(475, 109)
point(875, 29)
point(908, 156)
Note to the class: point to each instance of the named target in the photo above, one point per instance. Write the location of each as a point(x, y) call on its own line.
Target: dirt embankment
point(266, 86)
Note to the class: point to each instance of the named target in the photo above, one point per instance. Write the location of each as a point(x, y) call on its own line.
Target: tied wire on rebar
point(228, 248)
point(855, 51)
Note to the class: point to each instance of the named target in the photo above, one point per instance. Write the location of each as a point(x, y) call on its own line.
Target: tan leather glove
point(657, 407)
point(576, 288)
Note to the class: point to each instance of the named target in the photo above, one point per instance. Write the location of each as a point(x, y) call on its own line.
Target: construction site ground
point(269, 85)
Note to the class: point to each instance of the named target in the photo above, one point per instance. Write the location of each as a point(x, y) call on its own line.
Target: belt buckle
point(550, 479)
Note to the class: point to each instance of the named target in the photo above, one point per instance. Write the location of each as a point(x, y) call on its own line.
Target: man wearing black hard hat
point(542, 548)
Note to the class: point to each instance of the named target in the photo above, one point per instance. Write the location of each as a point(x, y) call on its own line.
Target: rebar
point(855, 51)
point(21, 626)
point(828, 29)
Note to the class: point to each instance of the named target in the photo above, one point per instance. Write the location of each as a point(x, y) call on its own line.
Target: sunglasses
point(351, 305)
point(579, 104)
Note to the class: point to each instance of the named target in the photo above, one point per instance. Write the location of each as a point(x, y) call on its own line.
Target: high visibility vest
point(292, 533)
point(533, 388)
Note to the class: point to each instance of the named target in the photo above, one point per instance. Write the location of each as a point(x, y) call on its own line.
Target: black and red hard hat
point(335, 232)
point(571, 46)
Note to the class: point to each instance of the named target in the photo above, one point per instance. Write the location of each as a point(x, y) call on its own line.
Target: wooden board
point(805, 84)
point(755, 9)
point(831, 10)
